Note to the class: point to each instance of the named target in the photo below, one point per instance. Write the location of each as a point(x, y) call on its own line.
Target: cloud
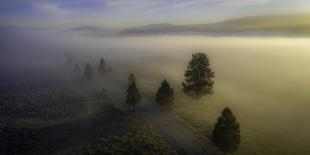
point(52, 9)
point(125, 6)
point(244, 2)
point(191, 3)
point(132, 12)
point(220, 3)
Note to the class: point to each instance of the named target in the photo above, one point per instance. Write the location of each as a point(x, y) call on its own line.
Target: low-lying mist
point(265, 80)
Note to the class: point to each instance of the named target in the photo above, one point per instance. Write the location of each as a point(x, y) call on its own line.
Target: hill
point(298, 24)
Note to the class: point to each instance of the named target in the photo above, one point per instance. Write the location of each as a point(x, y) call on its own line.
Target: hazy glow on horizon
point(126, 13)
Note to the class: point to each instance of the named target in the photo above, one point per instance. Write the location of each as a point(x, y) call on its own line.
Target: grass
point(258, 135)
point(137, 140)
point(268, 99)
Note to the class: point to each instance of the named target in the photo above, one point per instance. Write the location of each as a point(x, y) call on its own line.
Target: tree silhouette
point(88, 72)
point(131, 78)
point(165, 94)
point(226, 133)
point(133, 96)
point(77, 68)
point(110, 69)
point(102, 68)
point(198, 76)
point(69, 62)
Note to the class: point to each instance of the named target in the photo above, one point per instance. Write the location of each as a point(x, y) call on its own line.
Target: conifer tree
point(133, 96)
point(88, 72)
point(102, 68)
point(165, 94)
point(110, 69)
point(131, 78)
point(69, 62)
point(198, 76)
point(77, 68)
point(226, 133)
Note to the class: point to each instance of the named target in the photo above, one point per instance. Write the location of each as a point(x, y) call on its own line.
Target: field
point(154, 77)
point(64, 114)
point(264, 80)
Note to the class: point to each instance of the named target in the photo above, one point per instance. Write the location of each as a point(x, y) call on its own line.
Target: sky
point(118, 14)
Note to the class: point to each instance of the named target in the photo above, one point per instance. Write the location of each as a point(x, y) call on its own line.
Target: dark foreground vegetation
point(38, 100)
point(72, 115)
point(139, 139)
point(14, 140)
point(95, 126)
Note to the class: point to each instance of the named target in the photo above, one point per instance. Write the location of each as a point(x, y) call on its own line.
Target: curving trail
point(180, 137)
point(104, 117)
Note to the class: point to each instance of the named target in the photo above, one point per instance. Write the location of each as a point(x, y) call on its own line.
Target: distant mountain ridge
point(92, 31)
point(153, 28)
point(298, 24)
point(88, 29)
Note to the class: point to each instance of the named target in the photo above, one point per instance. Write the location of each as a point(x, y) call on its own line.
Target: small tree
point(165, 94)
point(77, 68)
point(110, 69)
point(131, 78)
point(226, 133)
point(198, 76)
point(133, 96)
point(88, 72)
point(69, 62)
point(102, 68)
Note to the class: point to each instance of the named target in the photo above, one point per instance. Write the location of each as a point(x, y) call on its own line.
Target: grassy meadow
point(265, 81)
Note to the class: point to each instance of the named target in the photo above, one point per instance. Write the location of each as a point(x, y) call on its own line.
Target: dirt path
point(76, 132)
point(180, 137)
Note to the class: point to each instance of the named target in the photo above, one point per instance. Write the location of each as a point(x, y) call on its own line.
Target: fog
point(265, 80)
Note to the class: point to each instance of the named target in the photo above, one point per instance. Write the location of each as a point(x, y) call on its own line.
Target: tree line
point(89, 72)
point(198, 82)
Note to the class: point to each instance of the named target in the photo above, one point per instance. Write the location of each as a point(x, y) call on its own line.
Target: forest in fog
point(154, 77)
point(265, 87)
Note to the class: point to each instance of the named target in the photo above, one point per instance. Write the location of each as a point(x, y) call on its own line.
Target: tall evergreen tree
point(226, 133)
point(102, 68)
point(198, 76)
point(133, 96)
point(131, 78)
point(88, 72)
point(165, 94)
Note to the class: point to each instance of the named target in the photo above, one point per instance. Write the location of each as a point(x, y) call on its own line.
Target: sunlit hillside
point(289, 24)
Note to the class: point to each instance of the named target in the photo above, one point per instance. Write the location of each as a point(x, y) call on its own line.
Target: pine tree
point(110, 69)
point(226, 133)
point(69, 62)
point(165, 94)
point(198, 76)
point(102, 68)
point(131, 78)
point(133, 96)
point(88, 72)
point(77, 68)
